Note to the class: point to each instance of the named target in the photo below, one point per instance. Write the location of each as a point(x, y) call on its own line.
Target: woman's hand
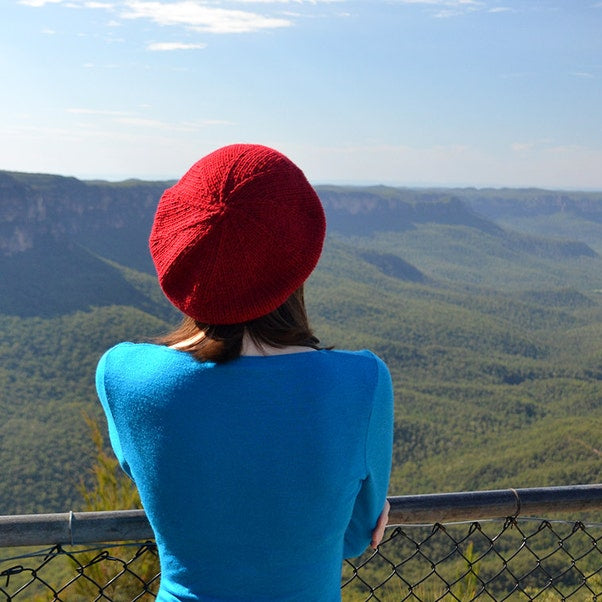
point(379, 530)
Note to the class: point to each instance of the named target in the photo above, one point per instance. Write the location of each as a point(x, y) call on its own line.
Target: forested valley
point(486, 304)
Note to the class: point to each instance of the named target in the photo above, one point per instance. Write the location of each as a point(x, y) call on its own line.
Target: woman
point(262, 459)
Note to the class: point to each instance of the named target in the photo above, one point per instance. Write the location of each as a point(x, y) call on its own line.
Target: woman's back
point(258, 475)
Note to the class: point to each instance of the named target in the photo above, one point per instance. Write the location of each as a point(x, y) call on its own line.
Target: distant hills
point(112, 218)
point(485, 303)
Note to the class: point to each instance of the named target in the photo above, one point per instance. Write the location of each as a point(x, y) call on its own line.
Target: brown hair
point(286, 326)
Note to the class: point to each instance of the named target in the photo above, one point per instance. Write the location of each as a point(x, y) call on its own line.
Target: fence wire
point(68, 573)
point(515, 559)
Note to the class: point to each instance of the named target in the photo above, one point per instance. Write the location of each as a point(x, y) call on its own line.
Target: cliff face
point(532, 202)
point(34, 206)
point(379, 208)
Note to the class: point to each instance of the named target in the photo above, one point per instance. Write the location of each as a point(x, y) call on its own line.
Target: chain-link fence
point(72, 573)
point(491, 560)
point(508, 559)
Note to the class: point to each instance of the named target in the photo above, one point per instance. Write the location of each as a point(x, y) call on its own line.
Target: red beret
point(237, 235)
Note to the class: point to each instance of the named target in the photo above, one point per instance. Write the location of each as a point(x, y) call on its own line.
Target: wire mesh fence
point(501, 559)
point(515, 559)
point(490, 560)
point(73, 573)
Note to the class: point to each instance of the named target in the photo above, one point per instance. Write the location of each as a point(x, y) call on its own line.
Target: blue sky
point(402, 92)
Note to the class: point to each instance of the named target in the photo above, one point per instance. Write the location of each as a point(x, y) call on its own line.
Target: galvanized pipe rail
point(499, 503)
point(71, 528)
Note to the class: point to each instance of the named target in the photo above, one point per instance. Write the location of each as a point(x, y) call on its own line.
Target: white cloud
point(91, 4)
point(166, 46)
point(145, 123)
point(539, 145)
point(106, 112)
point(207, 16)
point(131, 119)
point(105, 5)
point(443, 9)
point(447, 12)
point(313, 2)
point(206, 122)
point(38, 3)
point(447, 3)
point(519, 147)
point(517, 75)
point(199, 17)
point(584, 75)
point(156, 124)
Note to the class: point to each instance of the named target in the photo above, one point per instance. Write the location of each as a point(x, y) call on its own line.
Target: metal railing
point(453, 546)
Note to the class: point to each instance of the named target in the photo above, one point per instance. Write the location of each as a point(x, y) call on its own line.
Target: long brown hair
point(286, 326)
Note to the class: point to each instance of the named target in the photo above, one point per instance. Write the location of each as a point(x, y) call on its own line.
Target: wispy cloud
point(447, 3)
point(167, 46)
point(583, 75)
point(445, 13)
point(149, 125)
point(313, 2)
point(206, 16)
point(516, 75)
point(200, 17)
point(145, 123)
point(137, 120)
point(206, 122)
point(452, 8)
point(38, 3)
point(519, 147)
point(541, 144)
point(93, 5)
point(104, 112)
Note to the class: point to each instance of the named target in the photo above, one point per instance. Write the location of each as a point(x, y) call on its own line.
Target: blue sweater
point(259, 475)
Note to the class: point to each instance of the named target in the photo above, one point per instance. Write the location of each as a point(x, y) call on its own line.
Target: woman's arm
point(370, 511)
point(379, 530)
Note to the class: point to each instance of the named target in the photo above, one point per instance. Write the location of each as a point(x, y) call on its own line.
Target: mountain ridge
point(108, 217)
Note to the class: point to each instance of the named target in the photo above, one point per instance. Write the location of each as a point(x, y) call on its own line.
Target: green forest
point(492, 329)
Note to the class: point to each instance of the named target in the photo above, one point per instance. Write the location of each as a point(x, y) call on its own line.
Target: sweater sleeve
point(101, 389)
point(379, 447)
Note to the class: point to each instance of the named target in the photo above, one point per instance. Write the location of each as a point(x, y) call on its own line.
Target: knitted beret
point(237, 235)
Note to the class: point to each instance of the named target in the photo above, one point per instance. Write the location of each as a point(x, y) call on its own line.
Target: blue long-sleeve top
point(259, 475)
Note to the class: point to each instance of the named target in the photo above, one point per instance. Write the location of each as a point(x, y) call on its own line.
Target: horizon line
point(367, 183)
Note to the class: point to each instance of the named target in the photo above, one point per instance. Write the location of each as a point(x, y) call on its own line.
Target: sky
point(500, 93)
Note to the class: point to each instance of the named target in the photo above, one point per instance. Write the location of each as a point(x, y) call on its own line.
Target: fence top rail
point(498, 503)
point(74, 528)
point(70, 528)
